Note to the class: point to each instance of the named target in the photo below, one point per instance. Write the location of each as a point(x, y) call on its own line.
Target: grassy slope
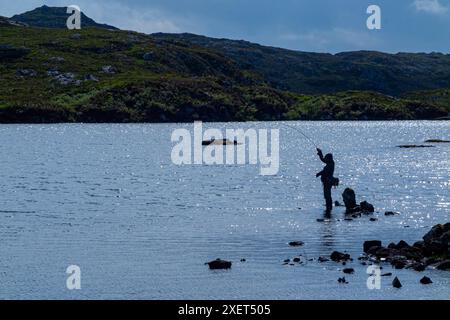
point(178, 82)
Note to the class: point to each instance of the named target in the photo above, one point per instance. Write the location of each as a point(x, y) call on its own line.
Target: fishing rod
point(303, 134)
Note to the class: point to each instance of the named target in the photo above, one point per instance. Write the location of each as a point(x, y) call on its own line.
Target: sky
point(306, 25)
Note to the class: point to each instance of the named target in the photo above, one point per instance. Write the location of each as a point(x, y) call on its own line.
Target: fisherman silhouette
point(327, 178)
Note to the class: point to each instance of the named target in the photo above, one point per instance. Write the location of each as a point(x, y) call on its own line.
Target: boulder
point(444, 265)
point(219, 264)
point(349, 198)
point(367, 207)
point(401, 245)
point(323, 259)
point(419, 267)
point(296, 260)
point(372, 243)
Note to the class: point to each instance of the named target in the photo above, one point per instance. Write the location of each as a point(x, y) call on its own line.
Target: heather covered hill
point(316, 73)
point(102, 75)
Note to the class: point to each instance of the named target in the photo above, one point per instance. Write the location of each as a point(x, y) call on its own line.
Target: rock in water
point(349, 198)
point(339, 256)
point(296, 243)
point(342, 280)
point(444, 265)
point(349, 270)
point(391, 213)
point(396, 283)
point(372, 243)
point(367, 207)
point(219, 264)
point(437, 141)
point(426, 280)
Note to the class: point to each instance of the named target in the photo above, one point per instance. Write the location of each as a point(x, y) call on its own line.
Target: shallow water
point(108, 199)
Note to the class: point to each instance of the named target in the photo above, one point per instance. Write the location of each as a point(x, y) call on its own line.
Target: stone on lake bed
point(219, 264)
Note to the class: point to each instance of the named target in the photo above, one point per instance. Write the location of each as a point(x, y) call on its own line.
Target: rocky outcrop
point(432, 251)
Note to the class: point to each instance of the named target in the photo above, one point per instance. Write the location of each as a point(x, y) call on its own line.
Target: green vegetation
point(101, 75)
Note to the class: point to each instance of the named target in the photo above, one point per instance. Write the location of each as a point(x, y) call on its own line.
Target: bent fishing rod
point(303, 134)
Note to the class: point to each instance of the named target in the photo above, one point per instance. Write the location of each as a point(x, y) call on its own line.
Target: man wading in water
point(327, 178)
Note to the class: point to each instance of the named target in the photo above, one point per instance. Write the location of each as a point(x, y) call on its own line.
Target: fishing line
point(303, 134)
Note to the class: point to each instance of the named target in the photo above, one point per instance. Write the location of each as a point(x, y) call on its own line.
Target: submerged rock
point(219, 264)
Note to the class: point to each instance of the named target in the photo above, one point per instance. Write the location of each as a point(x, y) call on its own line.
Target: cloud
point(124, 17)
point(430, 6)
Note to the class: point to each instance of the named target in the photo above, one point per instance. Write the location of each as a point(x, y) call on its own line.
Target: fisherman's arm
point(320, 154)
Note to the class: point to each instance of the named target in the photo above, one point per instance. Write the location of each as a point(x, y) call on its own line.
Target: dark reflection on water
point(108, 198)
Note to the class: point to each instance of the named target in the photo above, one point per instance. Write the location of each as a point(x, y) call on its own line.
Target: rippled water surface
point(108, 199)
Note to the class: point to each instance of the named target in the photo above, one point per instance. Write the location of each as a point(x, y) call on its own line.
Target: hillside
point(101, 75)
point(316, 73)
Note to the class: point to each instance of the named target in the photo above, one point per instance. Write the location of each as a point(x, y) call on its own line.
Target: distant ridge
point(54, 17)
